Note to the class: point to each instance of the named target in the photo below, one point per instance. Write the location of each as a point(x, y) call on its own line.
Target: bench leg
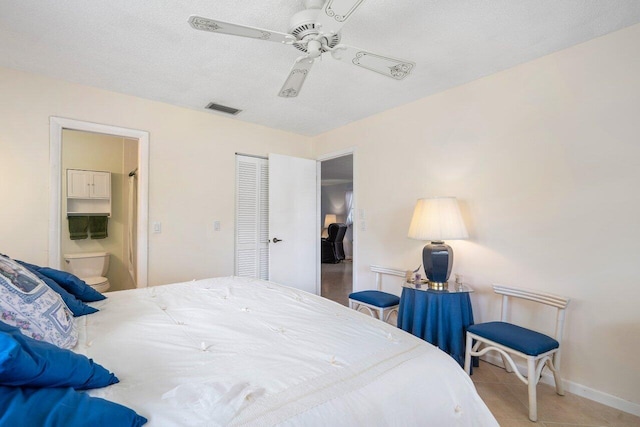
point(557, 378)
point(507, 365)
point(532, 383)
point(467, 355)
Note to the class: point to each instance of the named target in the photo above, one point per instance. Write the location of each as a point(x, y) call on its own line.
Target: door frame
point(56, 126)
point(319, 160)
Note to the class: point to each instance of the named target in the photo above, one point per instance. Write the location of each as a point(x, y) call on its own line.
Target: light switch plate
point(157, 227)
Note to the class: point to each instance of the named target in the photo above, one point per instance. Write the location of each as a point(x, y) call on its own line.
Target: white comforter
point(233, 351)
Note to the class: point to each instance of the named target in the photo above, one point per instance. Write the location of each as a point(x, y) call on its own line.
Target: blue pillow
point(49, 407)
point(72, 284)
point(77, 307)
point(28, 362)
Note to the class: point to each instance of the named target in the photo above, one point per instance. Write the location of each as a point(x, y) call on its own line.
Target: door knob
point(276, 240)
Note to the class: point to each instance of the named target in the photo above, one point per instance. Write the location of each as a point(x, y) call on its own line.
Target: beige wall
point(545, 158)
point(192, 170)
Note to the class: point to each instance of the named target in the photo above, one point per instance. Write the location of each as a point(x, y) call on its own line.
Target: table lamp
point(328, 220)
point(437, 219)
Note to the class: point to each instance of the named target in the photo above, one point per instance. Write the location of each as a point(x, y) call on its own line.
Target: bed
point(237, 351)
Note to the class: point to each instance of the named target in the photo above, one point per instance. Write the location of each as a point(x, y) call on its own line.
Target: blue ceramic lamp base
point(437, 258)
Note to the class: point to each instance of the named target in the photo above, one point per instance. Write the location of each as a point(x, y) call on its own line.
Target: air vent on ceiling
point(222, 108)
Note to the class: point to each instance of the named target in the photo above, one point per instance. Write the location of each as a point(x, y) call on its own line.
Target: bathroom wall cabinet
point(88, 192)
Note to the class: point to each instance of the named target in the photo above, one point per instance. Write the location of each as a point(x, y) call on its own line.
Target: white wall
point(333, 201)
point(192, 170)
point(545, 158)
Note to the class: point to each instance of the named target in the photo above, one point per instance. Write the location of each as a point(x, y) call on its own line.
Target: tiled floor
point(507, 399)
point(337, 280)
point(503, 393)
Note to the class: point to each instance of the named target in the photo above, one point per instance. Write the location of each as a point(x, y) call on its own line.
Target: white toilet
point(91, 267)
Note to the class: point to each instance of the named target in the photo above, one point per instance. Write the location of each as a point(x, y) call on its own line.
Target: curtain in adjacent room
point(349, 204)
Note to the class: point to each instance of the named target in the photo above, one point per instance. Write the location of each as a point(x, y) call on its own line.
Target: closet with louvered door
point(252, 217)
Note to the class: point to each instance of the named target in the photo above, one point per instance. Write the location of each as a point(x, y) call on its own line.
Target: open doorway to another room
point(336, 214)
point(117, 191)
point(99, 193)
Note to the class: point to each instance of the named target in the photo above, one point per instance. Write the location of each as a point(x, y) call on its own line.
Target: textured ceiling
point(147, 49)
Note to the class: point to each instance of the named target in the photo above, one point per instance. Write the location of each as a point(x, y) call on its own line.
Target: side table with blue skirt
point(440, 317)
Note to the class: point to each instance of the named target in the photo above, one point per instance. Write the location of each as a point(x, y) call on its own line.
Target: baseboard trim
point(575, 388)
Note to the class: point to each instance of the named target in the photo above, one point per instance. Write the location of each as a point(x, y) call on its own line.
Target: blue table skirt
point(438, 317)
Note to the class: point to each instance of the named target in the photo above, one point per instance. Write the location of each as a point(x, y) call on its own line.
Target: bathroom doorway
point(97, 151)
point(116, 158)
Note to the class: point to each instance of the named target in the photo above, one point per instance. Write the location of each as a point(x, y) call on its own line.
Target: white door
point(293, 226)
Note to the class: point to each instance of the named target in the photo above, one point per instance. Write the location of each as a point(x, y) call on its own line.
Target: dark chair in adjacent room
point(332, 248)
point(338, 245)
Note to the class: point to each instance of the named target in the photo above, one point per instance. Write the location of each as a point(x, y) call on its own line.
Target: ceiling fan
point(314, 31)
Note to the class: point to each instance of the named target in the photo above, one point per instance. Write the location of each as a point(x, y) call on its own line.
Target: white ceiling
point(147, 49)
point(338, 170)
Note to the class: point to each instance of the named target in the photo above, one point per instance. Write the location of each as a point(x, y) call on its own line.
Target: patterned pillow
point(29, 304)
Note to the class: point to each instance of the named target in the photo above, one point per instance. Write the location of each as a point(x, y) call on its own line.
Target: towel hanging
point(98, 226)
point(78, 227)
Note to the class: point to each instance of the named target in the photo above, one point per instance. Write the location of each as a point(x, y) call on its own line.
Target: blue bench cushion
point(376, 298)
point(516, 337)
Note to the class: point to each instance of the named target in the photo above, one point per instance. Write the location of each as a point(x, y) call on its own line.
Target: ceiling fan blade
point(391, 67)
point(297, 75)
point(335, 13)
point(214, 26)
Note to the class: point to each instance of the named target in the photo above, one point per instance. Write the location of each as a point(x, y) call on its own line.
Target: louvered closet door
point(252, 217)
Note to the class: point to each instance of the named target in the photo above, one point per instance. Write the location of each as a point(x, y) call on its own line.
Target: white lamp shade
point(437, 219)
point(329, 219)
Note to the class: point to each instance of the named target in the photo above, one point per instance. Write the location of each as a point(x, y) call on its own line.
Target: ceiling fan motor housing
point(303, 24)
